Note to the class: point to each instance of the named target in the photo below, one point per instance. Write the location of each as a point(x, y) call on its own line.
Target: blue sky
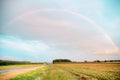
point(43, 30)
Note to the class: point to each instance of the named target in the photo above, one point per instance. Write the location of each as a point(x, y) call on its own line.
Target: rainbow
point(32, 11)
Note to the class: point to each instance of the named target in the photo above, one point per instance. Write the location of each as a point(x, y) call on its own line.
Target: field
point(100, 71)
point(74, 71)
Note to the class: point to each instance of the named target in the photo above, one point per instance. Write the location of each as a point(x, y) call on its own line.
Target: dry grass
point(102, 71)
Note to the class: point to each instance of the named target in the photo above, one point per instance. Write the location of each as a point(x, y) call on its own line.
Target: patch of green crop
point(55, 73)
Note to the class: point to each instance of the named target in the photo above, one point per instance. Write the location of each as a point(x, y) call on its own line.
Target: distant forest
point(7, 62)
point(69, 61)
point(107, 61)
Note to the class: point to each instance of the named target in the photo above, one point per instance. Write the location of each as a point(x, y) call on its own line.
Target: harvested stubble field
point(93, 71)
point(74, 71)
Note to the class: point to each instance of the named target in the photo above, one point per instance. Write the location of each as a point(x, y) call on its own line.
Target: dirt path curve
point(12, 73)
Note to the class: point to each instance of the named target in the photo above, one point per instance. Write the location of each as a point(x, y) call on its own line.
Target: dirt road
point(6, 74)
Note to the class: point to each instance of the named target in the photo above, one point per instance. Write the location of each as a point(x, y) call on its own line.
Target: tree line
point(61, 60)
point(7, 62)
point(69, 61)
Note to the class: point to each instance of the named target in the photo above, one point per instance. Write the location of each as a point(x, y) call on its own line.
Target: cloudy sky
point(43, 30)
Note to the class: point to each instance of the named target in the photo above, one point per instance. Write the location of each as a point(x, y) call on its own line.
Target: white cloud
point(10, 58)
point(78, 36)
point(30, 46)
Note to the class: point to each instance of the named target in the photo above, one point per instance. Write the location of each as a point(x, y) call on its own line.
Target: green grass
point(55, 73)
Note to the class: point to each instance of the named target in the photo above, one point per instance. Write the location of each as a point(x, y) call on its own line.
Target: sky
point(43, 30)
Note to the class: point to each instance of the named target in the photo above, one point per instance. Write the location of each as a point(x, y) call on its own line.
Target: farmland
point(100, 71)
point(74, 71)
